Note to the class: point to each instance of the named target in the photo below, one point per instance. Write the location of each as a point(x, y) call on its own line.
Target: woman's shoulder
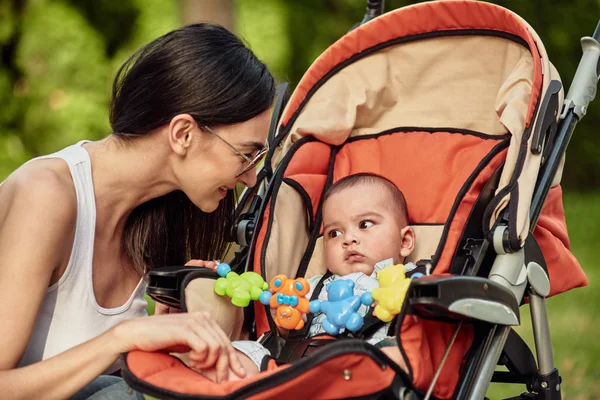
point(38, 187)
point(38, 210)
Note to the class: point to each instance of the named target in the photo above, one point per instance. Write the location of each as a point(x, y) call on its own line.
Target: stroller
point(457, 104)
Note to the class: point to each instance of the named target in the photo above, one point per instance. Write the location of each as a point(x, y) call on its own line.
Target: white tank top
point(69, 314)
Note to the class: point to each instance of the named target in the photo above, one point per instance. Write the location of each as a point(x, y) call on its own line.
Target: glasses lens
point(257, 159)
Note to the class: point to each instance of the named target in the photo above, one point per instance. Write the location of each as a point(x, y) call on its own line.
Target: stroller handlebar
point(580, 95)
point(597, 32)
point(585, 82)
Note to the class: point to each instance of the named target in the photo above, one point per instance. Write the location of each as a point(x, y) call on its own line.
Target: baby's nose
point(350, 239)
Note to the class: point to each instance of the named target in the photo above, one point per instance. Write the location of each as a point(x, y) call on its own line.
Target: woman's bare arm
point(37, 217)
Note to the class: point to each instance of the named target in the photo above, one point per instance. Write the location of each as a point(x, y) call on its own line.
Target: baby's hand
point(282, 331)
point(212, 374)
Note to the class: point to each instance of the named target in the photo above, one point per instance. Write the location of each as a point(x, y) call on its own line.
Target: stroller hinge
point(545, 128)
point(547, 386)
point(473, 251)
point(509, 269)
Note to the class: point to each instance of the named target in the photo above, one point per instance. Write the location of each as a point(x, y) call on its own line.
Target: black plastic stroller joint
point(243, 229)
point(545, 130)
point(547, 386)
point(374, 9)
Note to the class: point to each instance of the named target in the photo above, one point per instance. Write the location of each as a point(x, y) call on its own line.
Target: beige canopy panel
point(482, 83)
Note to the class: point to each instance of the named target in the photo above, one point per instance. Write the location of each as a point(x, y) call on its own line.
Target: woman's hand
point(160, 309)
point(202, 263)
point(196, 332)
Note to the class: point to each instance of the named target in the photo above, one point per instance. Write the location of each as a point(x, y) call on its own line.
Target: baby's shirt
point(362, 284)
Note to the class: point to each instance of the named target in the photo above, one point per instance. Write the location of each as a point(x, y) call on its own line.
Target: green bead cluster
point(241, 288)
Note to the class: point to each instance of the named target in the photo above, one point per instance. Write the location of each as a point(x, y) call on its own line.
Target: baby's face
point(360, 230)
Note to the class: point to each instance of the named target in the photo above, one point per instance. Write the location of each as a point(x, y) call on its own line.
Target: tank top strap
point(79, 163)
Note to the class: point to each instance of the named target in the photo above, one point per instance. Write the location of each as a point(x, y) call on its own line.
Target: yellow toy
point(393, 285)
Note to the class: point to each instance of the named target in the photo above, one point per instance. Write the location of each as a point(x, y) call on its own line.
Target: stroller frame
point(514, 270)
point(506, 270)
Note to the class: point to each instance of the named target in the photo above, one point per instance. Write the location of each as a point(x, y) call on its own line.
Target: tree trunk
point(216, 11)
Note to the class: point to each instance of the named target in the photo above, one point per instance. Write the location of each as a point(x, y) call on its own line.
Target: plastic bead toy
point(393, 285)
point(287, 296)
point(241, 288)
point(341, 307)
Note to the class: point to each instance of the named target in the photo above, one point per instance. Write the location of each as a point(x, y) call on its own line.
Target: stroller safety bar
point(463, 298)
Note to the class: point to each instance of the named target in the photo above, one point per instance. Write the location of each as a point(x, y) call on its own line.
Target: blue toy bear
point(341, 307)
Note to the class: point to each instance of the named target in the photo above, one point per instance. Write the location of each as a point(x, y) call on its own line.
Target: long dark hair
point(206, 71)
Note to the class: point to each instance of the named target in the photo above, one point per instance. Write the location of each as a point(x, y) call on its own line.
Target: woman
point(80, 228)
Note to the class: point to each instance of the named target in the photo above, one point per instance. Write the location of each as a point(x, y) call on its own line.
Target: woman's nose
point(248, 178)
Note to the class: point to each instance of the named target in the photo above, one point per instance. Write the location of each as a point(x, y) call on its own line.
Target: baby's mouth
point(353, 256)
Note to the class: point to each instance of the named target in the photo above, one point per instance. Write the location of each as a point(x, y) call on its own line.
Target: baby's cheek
point(331, 255)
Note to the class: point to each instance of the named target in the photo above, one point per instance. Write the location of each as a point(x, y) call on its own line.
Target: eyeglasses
point(252, 162)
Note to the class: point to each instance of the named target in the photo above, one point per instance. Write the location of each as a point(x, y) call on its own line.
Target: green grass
point(150, 307)
point(573, 315)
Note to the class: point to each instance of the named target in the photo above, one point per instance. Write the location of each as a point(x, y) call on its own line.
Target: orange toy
point(289, 300)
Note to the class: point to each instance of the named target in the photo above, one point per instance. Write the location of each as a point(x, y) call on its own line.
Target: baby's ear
point(407, 244)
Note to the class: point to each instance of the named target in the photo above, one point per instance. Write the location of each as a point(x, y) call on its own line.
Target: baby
point(365, 224)
point(365, 221)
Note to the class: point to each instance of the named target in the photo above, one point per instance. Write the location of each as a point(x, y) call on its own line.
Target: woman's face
point(212, 167)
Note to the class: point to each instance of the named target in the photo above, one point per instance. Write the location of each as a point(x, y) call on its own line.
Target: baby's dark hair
point(398, 200)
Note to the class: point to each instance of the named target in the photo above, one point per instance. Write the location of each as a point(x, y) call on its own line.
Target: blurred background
point(59, 58)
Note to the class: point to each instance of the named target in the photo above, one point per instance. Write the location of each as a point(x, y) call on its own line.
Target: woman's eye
point(365, 224)
point(334, 233)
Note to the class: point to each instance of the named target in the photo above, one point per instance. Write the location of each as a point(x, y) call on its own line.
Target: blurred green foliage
point(59, 58)
point(58, 61)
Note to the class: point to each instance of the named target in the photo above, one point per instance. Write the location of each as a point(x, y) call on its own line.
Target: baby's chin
point(349, 268)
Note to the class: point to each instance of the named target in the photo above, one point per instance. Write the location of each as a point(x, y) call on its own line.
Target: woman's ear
point(181, 133)
point(407, 244)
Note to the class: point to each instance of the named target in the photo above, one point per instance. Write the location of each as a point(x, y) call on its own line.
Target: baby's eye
point(365, 224)
point(334, 233)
